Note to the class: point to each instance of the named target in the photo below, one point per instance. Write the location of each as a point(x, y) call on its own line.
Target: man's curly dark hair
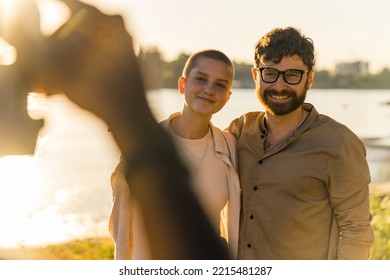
point(280, 42)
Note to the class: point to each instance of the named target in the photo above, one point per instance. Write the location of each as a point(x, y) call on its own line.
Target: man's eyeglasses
point(290, 76)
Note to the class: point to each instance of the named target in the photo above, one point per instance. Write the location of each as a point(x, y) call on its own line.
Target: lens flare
point(52, 15)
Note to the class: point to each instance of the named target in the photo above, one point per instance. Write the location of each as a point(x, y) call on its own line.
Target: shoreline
point(27, 253)
point(380, 188)
point(96, 248)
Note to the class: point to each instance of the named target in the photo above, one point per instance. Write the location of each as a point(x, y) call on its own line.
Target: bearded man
point(304, 176)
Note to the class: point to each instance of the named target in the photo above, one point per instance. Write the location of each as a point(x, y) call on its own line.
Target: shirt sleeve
point(348, 181)
point(121, 218)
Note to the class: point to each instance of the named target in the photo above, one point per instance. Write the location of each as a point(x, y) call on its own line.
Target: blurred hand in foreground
point(92, 60)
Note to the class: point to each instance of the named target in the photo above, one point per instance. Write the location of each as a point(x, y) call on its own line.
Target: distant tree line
point(160, 73)
point(381, 80)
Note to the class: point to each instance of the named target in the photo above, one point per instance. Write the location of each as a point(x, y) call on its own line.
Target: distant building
point(348, 69)
point(346, 73)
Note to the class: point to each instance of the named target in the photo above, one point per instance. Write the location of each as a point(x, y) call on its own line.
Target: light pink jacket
point(123, 208)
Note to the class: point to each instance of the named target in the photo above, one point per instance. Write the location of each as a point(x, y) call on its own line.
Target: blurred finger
point(88, 21)
point(20, 22)
point(76, 6)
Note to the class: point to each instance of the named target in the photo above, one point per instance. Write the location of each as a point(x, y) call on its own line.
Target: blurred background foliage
point(161, 73)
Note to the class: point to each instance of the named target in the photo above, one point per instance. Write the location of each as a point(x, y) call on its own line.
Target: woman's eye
point(221, 85)
point(201, 79)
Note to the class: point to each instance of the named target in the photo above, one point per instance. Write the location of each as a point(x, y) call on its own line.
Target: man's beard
point(280, 109)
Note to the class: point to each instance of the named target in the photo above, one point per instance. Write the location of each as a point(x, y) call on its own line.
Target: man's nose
point(280, 83)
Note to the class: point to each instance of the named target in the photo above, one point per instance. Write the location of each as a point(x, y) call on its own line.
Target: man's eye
point(270, 74)
point(293, 74)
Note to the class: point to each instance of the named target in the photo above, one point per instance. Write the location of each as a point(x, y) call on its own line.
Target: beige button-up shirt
point(306, 197)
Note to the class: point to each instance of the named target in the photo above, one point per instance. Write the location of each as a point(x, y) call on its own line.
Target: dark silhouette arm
point(92, 60)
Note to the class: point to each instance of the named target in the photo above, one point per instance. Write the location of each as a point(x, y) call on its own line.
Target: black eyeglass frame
point(261, 69)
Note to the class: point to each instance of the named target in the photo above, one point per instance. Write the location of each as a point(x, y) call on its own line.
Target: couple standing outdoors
point(302, 190)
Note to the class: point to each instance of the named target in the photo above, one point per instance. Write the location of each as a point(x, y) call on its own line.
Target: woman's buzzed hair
point(213, 54)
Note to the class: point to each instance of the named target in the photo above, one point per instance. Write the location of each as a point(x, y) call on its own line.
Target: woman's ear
point(228, 97)
point(181, 83)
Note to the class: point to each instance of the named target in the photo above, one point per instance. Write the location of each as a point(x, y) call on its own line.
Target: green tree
point(243, 76)
point(173, 70)
point(323, 79)
point(152, 64)
point(383, 79)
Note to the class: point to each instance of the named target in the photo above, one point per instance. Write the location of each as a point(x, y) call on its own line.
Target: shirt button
point(260, 161)
point(249, 245)
point(251, 216)
point(255, 188)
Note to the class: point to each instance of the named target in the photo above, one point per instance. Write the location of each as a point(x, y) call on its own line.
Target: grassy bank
point(84, 249)
point(380, 210)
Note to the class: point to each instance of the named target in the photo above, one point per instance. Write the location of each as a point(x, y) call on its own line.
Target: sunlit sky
point(342, 30)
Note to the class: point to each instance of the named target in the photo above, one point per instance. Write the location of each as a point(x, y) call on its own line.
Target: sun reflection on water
point(62, 192)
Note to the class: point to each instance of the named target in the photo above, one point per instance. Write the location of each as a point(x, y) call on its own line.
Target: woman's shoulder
point(224, 140)
point(165, 123)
